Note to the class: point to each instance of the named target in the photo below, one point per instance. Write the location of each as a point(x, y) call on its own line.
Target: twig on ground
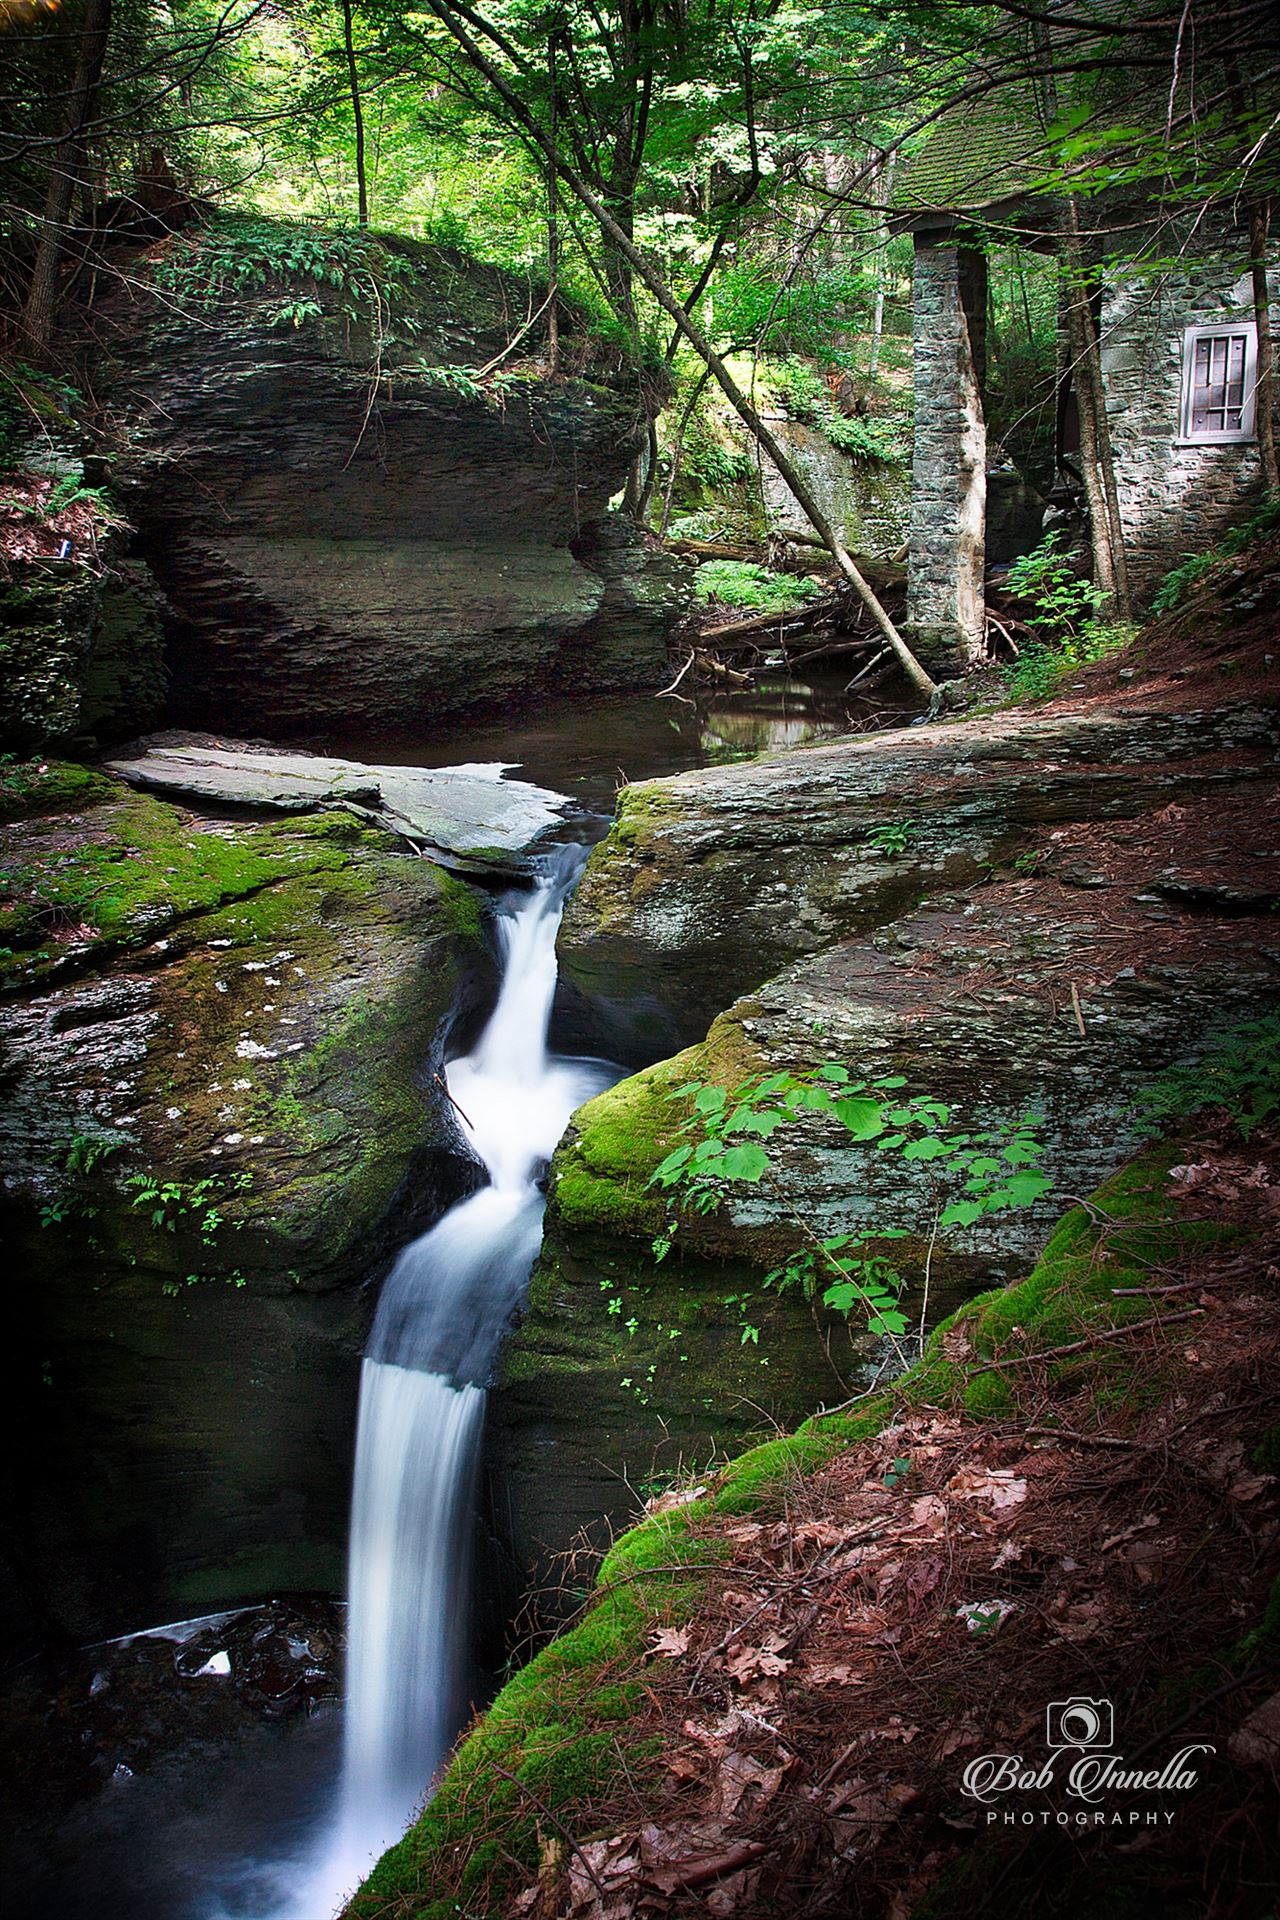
point(1079, 1346)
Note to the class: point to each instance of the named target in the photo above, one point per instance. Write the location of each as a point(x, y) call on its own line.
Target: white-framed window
point(1219, 378)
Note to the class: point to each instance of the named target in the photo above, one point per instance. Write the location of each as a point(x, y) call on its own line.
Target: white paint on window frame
point(1235, 394)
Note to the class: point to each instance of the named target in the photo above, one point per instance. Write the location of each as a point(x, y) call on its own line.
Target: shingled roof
point(981, 155)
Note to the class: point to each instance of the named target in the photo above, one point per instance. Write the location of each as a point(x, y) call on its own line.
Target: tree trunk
point(1104, 574)
point(1095, 429)
point(738, 400)
point(357, 114)
point(882, 186)
point(65, 169)
point(1264, 406)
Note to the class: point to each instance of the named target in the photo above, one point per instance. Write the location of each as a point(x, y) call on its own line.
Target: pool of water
point(590, 748)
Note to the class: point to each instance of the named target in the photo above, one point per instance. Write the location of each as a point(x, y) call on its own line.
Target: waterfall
point(423, 1383)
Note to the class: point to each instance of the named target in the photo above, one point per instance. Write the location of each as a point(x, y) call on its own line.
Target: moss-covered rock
point(218, 1041)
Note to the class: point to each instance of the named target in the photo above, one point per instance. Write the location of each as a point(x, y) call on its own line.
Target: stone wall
point(945, 609)
point(1176, 498)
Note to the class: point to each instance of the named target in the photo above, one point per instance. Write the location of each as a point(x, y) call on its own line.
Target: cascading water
point(440, 1320)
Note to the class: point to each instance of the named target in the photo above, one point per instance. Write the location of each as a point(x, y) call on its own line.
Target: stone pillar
point(945, 607)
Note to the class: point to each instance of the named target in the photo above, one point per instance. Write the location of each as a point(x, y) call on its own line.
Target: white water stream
point(440, 1320)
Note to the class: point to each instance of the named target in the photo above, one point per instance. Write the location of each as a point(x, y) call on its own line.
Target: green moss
point(600, 1177)
point(136, 866)
point(551, 1727)
point(462, 909)
point(29, 787)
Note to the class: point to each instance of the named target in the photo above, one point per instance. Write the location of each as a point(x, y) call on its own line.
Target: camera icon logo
point(1079, 1723)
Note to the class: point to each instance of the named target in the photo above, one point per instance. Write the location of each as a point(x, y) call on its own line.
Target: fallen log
point(802, 616)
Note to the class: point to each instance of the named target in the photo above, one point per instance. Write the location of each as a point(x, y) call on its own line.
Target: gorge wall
point(354, 530)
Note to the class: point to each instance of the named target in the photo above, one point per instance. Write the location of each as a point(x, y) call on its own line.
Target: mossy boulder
point(965, 1000)
point(622, 1360)
point(218, 1042)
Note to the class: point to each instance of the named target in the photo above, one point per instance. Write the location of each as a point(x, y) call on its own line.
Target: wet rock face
point(121, 1708)
point(347, 539)
point(218, 1042)
point(711, 882)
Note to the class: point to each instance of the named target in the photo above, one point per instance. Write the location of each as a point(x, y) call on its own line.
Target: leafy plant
point(172, 1204)
point(240, 254)
point(1041, 669)
point(804, 394)
point(1239, 1074)
point(741, 583)
point(1048, 579)
point(891, 838)
point(976, 1174)
point(89, 1150)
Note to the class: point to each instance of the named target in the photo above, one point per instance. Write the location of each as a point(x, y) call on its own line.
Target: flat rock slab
point(468, 818)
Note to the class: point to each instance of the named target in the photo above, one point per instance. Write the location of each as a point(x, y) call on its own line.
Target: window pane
point(1219, 365)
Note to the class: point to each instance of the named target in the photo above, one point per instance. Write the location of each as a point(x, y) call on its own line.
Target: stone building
point(1178, 351)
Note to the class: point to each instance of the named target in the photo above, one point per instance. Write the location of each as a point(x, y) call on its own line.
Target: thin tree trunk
point(65, 169)
point(1095, 500)
point(553, 219)
point(1091, 395)
point(701, 346)
point(881, 190)
point(1264, 406)
point(357, 114)
point(677, 451)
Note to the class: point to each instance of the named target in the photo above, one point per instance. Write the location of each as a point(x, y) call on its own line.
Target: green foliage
point(872, 441)
point(797, 313)
point(1061, 600)
point(706, 459)
point(740, 583)
point(68, 492)
point(34, 403)
point(1040, 669)
point(801, 390)
point(891, 838)
point(974, 1174)
point(1238, 1075)
point(368, 282)
point(173, 1204)
point(1178, 584)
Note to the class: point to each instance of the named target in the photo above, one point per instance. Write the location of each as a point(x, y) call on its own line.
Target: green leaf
point(744, 1162)
point(961, 1213)
point(710, 1099)
point(863, 1116)
point(930, 1148)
